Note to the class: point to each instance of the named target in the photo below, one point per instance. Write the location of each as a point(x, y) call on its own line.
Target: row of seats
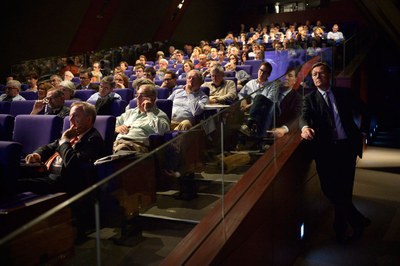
point(25, 128)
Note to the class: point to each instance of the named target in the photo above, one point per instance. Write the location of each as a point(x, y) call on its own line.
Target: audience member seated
point(68, 160)
point(53, 104)
point(242, 76)
point(85, 77)
point(43, 87)
point(68, 87)
point(169, 81)
point(68, 75)
point(335, 35)
point(261, 112)
point(121, 81)
point(221, 91)
point(11, 93)
point(96, 73)
point(105, 96)
point(162, 68)
point(32, 82)
point(55, 80)
point(150, 73)
point(188, 102)
point(139, 73)
point(202, 65)
point(135, 125)
point(177, 58)
point(260, 85)
point(187, 66)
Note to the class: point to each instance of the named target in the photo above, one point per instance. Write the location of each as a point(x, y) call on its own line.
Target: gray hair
point(69, 85)
point(14, 84)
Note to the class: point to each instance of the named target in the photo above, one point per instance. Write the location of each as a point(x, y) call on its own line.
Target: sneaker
point(245, 130)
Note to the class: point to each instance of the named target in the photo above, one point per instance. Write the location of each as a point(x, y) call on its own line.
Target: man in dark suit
point(70, 159)
point(327, 122)
point(85, 77)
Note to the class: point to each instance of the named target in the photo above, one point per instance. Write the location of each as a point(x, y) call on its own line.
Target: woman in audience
point(68, 75)
point(195, 54)
point(121, 81)
point(187, 66)
point(43, 87)
point(68, 87)
point(123, 65)
point(32, 82)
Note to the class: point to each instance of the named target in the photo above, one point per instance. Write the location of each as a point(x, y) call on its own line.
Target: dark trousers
point(261, 114)
point(336, 169)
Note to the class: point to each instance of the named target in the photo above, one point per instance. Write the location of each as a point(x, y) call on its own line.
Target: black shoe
point(245, 130)
point(359, 230)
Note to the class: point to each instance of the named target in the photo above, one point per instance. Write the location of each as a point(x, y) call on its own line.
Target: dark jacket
point(316, 114)
point(77, 170)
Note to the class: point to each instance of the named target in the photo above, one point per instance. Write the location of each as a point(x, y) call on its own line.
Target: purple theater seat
point(6, 127)
point(255, 65)
point(5, 107)
point(163, 104)
point(105, 124)
point(181, 82)
point(247, 68)
point(117, 107)
point(33, 131)
point(126, 94)
point(21, 107)
point(162, 93)
point(84, 94)
point(29, 95)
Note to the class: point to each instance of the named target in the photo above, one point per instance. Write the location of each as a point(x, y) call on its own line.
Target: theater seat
point(6, 127)
point(21, 107)
point(117, 107)
point(126, 94)
point(29, 95)
point(105, 124)
point(10, 154)
point(33, 131)
point(84, 94)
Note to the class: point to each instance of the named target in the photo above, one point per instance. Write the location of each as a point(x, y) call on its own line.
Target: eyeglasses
point(11, 88)
point(142, 95)
point(53, 80)
point(83, 78)
point(118, 79)
point(167, 79)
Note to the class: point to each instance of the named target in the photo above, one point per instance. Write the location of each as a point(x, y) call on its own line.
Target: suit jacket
point(290, 108)
point(316, 114)
point(91, 86)
point(77, 170)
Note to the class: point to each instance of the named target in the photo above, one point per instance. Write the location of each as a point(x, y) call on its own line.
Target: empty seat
point(105, 124)
point(33, 131)
point(126, 94)
point(21, 107)
point(29, 95)
point(181, 82)
point(128, 73)
point(6, 127)
point(84, 94)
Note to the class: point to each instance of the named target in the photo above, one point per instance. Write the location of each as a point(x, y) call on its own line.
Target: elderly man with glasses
point(135, 125)
point(12, 92)
point(53, 104)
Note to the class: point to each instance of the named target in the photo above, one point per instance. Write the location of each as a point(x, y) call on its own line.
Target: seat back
point(33, 131)
point(21, 107)
point(117, 107)
point(105, 124)
point(126, 94)
point(247, 68)
point(5, 107)
point(29, 95)
point(84, 94)
point(255, 65)
point(162, 93)
point(10, 154)
point(164, 105)
point(181, 82)
point(6, 127)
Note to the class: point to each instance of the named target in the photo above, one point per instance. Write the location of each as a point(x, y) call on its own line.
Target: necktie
point(332, 113)
point(50, 161)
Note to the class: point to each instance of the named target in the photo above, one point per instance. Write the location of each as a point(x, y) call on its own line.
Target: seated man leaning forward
point(135, 125)
point(221, 91)
point(188, 102)
point(53, 104)
point(70, 159)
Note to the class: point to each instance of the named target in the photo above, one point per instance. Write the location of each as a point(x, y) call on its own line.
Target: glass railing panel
point(143, 206)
